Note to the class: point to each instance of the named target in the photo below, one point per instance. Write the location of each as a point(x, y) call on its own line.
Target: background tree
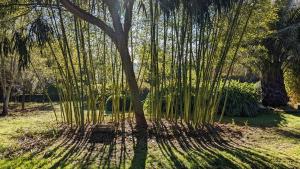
point(14, 53)
point(271, 45)
point(283, 48)
point(9, 70)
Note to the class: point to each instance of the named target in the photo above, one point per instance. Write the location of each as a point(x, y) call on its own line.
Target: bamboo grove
point(180, 51)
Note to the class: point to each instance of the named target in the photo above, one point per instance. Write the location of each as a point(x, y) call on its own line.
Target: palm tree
point(283, 47)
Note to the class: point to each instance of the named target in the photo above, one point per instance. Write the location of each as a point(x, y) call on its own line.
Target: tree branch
point(9, 5)
point(288, 28)
point(114, 8)
point(77, 11)
point(128, 16)
point(15, 17)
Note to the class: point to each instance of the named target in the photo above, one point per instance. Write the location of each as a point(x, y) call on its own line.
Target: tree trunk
point(273, 87)
point(141, 122)
point(5, 106)
point(23, 100)
point(6, 97)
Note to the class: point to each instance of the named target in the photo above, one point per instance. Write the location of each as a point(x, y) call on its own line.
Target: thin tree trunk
point(5, 103)
point(23, 99)
point(4, 108)
point(132, 83)
point(273, 87)
point(6, 88)
point(23, 94)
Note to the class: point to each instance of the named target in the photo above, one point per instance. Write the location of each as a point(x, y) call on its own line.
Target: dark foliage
point(124, 103)
point(199, 9)
point(20, 46)
point(5, 47)
point(40, 32)
point(242, 99)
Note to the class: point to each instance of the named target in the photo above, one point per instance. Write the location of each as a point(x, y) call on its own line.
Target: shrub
point(122, 99)
point(147, 104)
point(164, 102)
point(292, 81)
point(242, 99)
point(53, 92)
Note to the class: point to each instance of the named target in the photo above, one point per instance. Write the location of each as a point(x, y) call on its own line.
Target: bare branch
point(77, 11)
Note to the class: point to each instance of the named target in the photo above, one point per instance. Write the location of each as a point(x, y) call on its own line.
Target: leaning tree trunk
point(132, 83)
point(273, 87)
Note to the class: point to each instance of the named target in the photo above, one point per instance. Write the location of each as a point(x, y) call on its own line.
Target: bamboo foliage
point(89, 70)
point(190, 46)
point(201, 51)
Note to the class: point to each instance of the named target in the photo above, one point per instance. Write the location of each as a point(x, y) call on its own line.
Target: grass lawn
point(33, 139)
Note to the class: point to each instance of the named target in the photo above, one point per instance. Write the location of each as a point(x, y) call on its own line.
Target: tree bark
point(6, 97)
point(273, 87)
point(5, 106)
point(132, 83)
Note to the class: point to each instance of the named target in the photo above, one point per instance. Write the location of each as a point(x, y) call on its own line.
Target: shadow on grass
point(206, 148)
point(140, 151)
point(15, 109)
point(289, 134)
point(178, 144)
point(119, 149)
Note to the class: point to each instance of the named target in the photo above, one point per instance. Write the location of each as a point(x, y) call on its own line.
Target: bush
point(242, 99)
point(292, 81)
point(122, 99)
point(53, 92)
point(147, 104)
point(164, 102)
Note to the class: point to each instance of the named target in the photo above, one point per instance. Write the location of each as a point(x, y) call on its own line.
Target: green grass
point(267, 119)
point(20, 123)
point(276, 132)
point(270, 140)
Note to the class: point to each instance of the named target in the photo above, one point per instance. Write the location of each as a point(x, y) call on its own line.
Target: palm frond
point(40, 31)
point(20, 47)
point(5, 46)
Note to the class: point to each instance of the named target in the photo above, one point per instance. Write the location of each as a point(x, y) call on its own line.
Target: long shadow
point(92, 146)
point(289, 134)
point(209, 145)
point(99, 149)
point(16, 107)
point(182, 145)
point(140, 151)
point(162, 136)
